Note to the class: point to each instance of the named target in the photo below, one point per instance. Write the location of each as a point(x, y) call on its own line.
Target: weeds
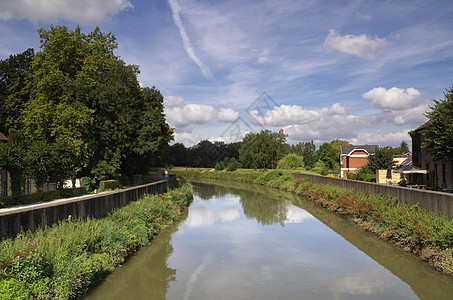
point(62, 261)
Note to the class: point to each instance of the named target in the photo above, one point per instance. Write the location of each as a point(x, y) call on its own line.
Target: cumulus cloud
point(362, 46)
point(227, 115)
point(181, 115)
point(80, 11)
point(383, 138)
point(394, 98)
point(284, 115)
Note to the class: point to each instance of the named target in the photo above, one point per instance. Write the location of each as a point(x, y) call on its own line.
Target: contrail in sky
point(186, 41)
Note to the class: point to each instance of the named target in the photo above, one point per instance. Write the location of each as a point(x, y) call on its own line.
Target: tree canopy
point(439, 134)
point(263, 150)
point(84, 103)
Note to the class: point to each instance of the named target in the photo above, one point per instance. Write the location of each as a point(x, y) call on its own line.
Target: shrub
point(233, 165)
point(291, 162)
point(105, 185)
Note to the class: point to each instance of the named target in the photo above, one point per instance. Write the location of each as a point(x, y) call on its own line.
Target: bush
point(105, 185)
point(291, 162)
point(233, 165)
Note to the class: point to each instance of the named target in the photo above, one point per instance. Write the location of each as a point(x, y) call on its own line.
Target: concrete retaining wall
point(437, 202)
point(29, 217)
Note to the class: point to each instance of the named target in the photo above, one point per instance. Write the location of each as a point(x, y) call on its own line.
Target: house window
point(389, 173)
point(444, 173)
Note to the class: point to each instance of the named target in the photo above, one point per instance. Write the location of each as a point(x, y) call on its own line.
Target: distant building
point(353, 157)
point(439, 173)
point(3, 173)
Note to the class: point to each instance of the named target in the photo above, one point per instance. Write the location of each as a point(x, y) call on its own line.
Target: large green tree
point(328, 155)
point(85, 97)
point(263, 150)
point(14, 93)
point(439, 134)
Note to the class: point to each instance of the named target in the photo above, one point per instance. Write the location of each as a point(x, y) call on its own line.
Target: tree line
point(269, 150)
point(76, 107)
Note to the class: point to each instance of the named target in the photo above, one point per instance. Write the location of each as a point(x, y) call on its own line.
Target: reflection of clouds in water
point(297, 215)
point(369, 282)
point(201, 216)
point(229, 214)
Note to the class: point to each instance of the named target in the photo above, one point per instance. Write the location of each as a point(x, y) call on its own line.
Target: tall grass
point(424, 233)
point(62, 261)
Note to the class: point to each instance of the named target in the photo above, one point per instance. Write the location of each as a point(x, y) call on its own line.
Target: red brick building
point(354, 156)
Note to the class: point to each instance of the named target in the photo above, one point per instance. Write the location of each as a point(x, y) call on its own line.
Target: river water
point(243, 243)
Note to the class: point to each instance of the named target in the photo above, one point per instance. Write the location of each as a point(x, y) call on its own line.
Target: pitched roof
point(371, 149)
point(424, 125)
point(3, 137)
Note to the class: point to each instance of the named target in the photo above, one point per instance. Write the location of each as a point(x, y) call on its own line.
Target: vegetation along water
point(426, 235)
point(62, 261)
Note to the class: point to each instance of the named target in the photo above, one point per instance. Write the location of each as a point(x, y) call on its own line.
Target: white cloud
point(361, 46)
point(284, 115)
point(190, 114)
point(227, 115)
point(394, 98)
point(382, 138)
point(80, 11)
point(173, 101)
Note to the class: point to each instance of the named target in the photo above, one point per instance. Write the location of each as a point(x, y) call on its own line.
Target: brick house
point(3, 173)
point(439, 173)
point(354, 156)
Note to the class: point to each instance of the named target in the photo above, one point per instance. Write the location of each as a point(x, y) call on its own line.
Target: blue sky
point(364, 71)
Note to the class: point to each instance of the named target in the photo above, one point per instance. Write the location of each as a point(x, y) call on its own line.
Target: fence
point(30, 217)
point(437, 202)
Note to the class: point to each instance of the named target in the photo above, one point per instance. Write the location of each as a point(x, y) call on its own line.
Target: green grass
point(62, 261)
point(416, 230)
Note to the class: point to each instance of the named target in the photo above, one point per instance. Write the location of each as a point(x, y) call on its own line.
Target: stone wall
point(29, 217)
point(437, 202)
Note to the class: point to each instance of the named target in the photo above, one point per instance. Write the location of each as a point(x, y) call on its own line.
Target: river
point(252, 243)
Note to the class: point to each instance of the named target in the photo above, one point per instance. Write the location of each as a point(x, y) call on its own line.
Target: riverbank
point(428, 236)
point(63, 261)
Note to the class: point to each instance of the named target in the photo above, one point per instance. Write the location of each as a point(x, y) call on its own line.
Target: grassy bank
point(62, 261)
point(427, 235)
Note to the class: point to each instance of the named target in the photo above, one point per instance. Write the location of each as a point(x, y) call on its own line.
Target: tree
point(291, 162)
point(336, 145)
point(14, 94)
point(382, 159)
point(404, 148)
point(327, 154)
point(13, 158)
point(84, 97)
point(439, 134)
point(263, 150)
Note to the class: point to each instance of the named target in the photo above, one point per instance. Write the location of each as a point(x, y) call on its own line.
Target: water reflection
point(239, 245)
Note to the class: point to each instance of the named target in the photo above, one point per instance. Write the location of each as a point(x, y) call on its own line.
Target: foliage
point(290, 162)
point(307, 150)
point(8, 201)
point(439, 134)
point(62, 261)
point(232, 165)
point(404, 147)
point(14, 94)
point(363, 174)
point(13, 158)
point(382, 159)
point(105, 185)
point(328, 155)
point(263, 150)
